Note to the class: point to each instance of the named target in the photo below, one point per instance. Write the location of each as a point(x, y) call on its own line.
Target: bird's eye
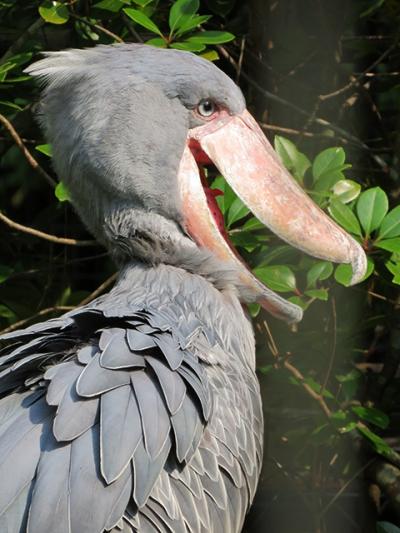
point(206, 108)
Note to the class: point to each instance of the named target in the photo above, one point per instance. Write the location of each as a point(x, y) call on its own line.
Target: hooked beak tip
point(358, 263)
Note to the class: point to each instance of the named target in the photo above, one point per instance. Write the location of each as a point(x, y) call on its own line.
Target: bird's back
point(139, 412)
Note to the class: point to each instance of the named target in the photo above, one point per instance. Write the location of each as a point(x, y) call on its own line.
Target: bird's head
point(132, 127)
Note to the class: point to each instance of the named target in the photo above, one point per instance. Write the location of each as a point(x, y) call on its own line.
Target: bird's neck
point(187, 296)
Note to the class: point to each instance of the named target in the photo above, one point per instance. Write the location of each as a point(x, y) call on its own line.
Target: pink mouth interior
point(202, 160)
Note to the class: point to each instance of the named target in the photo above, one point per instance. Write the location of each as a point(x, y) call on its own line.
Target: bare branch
point(29, 157)
point(46, 236)
point(42, 312)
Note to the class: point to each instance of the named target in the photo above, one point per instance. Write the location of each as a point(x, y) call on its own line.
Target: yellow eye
point(206, 108)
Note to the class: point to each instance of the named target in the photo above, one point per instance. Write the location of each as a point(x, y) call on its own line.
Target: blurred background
point(323, 79)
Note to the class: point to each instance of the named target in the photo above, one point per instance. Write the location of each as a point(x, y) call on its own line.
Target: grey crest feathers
point(117, 118)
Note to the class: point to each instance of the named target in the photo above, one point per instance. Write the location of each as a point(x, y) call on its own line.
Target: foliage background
point(323, 78)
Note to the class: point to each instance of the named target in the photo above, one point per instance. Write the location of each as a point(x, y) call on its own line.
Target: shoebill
point(141, 411)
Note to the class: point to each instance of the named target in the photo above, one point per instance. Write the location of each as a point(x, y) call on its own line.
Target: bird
point(141, 411)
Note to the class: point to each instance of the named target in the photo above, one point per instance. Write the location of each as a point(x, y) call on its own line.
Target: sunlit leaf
point(158, 42)
point(277, 277)
point(212, 37)
point(329, 162)
point(210, 55)
point(291, 157)
point(391, 245)
point(188, 46)
point(390, 226)
point(142, 19)
point(319, 294)
point(237, 211)
point(372, 207)
point(54, 12)
point(346, 190)
point(181, 12)
point(62, 193)
point(319, 272)
point(344, 273)
point(44, 149)
point(372, 415)
point(394, 268)
point(344, 216)
point(191, 24)
point(377, 442)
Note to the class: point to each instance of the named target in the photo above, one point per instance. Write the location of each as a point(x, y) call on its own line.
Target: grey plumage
point(139, 412)
point(153, 422)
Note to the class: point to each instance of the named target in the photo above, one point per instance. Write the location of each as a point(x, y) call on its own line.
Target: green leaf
point(390, 226)
point(158, 42)
point(11, 105)
point(188, 46)
point(253, 224)
point(181, 12)
point(237, 211)
point(346, 190)
point(372, 207)
point(377, 442)
point(210, 55)
point(386, 527)
point(319, 272)
point(277, 277)
point(192, 23)
point(344, 216)
point(394, 268)
point(319, 294)
point(15, 61)
point(142, 19)
point(212, 37)
point(44, 149)
point(62, 193)
point(254, 309)
point(110, 5)
point(391, 245)
point(293, 160)
point(328, 161)
point(142, 3)
point(54, 12)
point(343, 273)
point(5, 272)
point(224, 201)
point(372, 415)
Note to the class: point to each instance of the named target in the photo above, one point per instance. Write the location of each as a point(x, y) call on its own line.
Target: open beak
point(241, 152)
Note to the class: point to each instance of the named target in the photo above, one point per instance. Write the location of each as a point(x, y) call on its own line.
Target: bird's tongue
point(241, 152)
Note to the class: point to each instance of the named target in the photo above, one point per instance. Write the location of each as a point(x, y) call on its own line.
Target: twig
point(46, 311)
point(98, 27)
point(317, 397)
point(240, 61)
point(29, 157)
point(297, 374)
point(355, 80)
point(311, 116)
point(131, 28)
point(46, 236)
point(101, 288)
